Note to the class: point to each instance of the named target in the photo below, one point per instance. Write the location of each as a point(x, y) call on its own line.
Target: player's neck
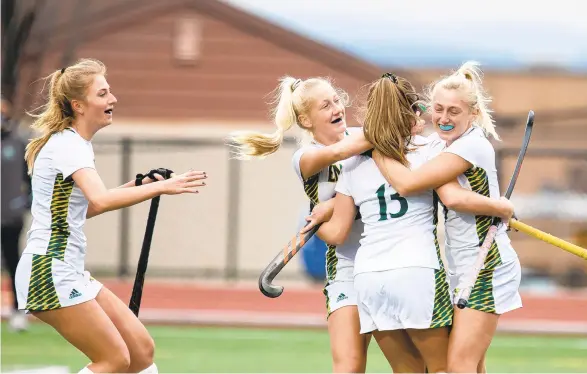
point(83, 130)
point(327, 140)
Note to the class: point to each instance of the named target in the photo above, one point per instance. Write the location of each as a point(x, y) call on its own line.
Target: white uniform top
point(399, 231)
point(59, 207)
point(465, 232)
point(319, 188)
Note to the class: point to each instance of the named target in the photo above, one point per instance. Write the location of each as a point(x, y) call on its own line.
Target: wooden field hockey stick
point(137, 289)
point(462, 294)
point(548, 238)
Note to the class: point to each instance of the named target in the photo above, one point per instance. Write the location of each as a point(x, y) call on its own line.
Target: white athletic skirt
point(407, 298)
point(338, 295)
point(47, 283)
point(495, 291)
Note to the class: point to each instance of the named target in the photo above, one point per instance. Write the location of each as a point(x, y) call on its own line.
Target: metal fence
point(129, 152)
point(244, 256)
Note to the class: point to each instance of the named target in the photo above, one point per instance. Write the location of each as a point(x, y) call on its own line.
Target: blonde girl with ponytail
point(319, 110)
point(51, 280)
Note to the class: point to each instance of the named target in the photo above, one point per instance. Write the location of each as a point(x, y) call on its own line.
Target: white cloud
point(525, 30)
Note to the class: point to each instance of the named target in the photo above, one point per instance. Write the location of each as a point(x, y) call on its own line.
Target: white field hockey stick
point(462, 295)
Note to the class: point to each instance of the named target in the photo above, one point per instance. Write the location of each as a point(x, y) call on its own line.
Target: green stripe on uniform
point(442, 313)
point(481, 297)
point(311, 189)
point(479, 183)
point(325, 292)
point(331, 262)
point(59, 209)
point(42, 294)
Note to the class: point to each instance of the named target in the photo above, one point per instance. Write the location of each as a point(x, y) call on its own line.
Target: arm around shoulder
point(434, 173)
point(314, 160)
point(456, 198)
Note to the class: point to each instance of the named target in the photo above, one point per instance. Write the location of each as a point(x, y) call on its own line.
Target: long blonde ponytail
point(293, 100)
point(251, 144)
point(50, 121)
point(65, 85)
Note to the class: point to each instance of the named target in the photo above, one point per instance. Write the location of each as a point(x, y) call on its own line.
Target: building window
point(187, 39)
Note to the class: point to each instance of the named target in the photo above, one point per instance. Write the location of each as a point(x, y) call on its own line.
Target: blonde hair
point(57, 114)
point(390, 115)
point(292, 99)
point(468, 80)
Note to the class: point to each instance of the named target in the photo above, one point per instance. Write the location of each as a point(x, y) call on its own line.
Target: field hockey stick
point(137, 289)
point(283, 257)
point(548, 238)
point(462, 295)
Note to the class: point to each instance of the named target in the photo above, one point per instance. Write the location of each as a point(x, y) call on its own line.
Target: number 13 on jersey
point(390, 205)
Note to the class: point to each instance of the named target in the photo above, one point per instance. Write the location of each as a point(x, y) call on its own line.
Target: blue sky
point(431, 33)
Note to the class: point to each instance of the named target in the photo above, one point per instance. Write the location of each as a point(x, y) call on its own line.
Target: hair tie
point(63, 70)
point(390, 76)
point(295, 84)
point(66, 108)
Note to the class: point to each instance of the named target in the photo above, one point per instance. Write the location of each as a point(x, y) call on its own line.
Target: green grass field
point(193, 349)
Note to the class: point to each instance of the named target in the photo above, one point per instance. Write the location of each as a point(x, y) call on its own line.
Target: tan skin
point(348, 346)
point(104, 329)
point(472, 330)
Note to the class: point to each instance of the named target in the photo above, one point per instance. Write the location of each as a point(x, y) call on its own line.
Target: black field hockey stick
point(266, 285)
point(462, 295)
point(137, 288)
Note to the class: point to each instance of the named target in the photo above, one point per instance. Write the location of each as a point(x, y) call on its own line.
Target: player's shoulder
point(353, 162)
point(298, 153)
point(303, 148)
point(475, 138)
point(67, 135)
point(68, 142)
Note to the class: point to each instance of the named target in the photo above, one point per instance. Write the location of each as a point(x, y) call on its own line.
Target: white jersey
point(465, 232)
point(59, 207)
point(319, 188)
point(399, 232)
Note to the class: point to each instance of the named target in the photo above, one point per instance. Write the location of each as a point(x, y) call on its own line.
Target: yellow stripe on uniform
point(442, 311)
point(311, 189)
point(479, 183)
point(59, 209)
point(42, 294)
point(481, 297)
